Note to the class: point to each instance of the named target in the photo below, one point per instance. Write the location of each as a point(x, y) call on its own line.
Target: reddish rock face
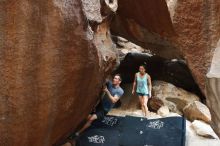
point(52, 68)
point(198, 27)
point(54, 55)
point(155, 13)
point(192, 34)
point(213, 89)
point(146, 23)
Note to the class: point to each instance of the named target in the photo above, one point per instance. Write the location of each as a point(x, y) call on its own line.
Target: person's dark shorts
point(141, 94)
point(100, 112)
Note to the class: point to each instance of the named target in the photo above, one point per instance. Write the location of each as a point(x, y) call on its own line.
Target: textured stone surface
point(52, 65)
point(213, 94)
point(213, 89)
point(144, 22)
point(197, 24)
point(173, 97)
point(197, 111)
point(190, 31)
point(154, 104)
point(204, 129)
point(124, 47)
point(163, 111)
point(193, 139)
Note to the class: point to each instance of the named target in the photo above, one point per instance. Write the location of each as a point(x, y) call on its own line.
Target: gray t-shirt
point(106, 102)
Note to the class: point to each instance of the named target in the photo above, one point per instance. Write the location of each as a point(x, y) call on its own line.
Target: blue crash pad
point(134, 131)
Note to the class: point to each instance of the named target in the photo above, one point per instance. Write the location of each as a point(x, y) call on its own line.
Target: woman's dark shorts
point(141, 94)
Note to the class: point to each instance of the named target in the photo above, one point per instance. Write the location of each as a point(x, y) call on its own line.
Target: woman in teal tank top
point(142, 86)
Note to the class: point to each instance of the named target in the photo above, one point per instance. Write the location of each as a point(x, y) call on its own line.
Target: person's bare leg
point(145, 98)
point(70, 143)
point(89, 116)
point(88, 123)
point(142, 105)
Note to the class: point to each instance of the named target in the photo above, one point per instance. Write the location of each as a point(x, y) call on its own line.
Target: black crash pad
point(134, 131)
point(99, 137)
point(156, 132)
point(109, 122)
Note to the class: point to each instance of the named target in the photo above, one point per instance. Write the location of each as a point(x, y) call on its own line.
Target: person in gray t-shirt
point(113, 92)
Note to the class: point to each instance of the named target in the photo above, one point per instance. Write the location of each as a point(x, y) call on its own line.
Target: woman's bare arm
point(134, 84)
point(149, 85)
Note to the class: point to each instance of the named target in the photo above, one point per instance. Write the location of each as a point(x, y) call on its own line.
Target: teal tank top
point(142, 85)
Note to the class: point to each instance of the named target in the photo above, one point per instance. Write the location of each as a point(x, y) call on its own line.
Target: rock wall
point(197, 24)
point(177, 29)
point(213, 89)
point(144, 22)
point(52, 66)
point(54, 55)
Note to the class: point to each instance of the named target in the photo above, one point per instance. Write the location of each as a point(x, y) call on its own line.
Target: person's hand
point(133, 92)
point(105, 89)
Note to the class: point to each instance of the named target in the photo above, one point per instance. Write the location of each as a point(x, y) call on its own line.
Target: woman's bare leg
point(141, 99)
point(145, 98)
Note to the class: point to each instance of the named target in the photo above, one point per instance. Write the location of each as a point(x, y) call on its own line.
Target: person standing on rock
point(142, 86)
point(113, 92)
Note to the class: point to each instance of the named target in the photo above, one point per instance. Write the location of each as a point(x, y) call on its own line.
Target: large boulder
point(198, 33)
point(204, 129)
point(213, 89)
point(179, 30)
point(143, 22)
point(197, 111)
point(173, 97)
point(193, 137)
point(163, 111)
point(125, 47)
point(154, 104)
point(54, 55)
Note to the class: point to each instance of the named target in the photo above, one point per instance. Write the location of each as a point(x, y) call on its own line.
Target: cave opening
point(174, 71)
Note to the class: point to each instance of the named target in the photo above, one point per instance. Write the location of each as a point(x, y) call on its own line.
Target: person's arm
point(134, 84)
point(149, 85)
point(108, 81)
point(113, 99)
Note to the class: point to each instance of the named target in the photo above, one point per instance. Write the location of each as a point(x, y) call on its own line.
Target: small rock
point(135, 51)
point(197, 111)
point(113, 5)
point(163, 111)
point(121, 39)
point(171, 114)
point(125, 51)
point(154, 104)
point(204, 129)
